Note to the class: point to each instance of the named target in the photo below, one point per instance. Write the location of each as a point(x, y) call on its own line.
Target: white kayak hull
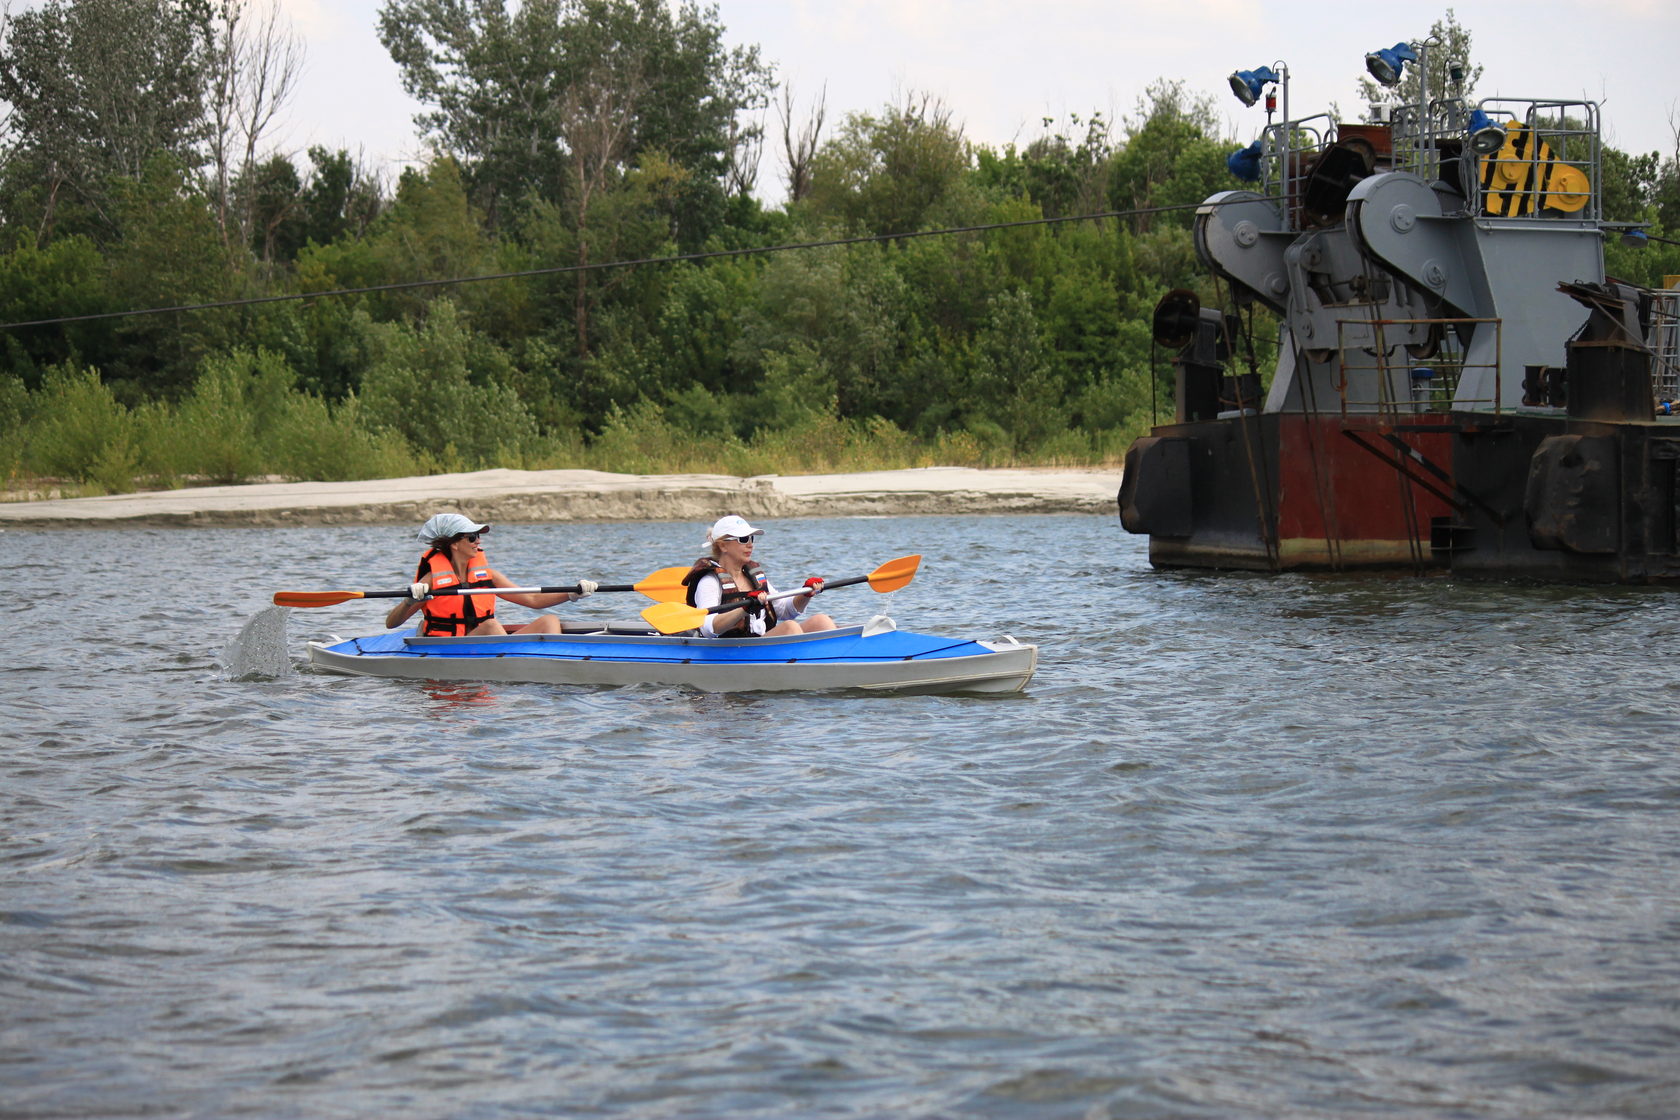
point(876, 657)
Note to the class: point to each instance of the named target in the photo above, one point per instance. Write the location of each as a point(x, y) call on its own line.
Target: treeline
point(568, 134)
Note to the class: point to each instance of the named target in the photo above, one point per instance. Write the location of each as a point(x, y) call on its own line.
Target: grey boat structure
point(1458, 386)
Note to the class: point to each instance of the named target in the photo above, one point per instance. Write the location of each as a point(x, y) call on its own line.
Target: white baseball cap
point(731, 526)
point(443, 525)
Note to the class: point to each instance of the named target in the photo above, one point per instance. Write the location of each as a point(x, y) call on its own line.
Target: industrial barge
point(1458, 386)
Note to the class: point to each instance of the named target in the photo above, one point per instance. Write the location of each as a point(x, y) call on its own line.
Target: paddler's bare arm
point(538, 601)
point(405, 608)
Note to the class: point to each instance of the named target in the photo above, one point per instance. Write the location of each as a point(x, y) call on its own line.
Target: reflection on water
point(446, 696)
point(1301, 846)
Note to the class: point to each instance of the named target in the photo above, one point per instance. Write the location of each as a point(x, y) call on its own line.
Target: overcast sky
point(1004, 65)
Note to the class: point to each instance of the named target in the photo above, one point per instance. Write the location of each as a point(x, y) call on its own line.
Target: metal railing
point(1665, 345)
point(1551, 163)
point(1290, 149)
point(1369, 379)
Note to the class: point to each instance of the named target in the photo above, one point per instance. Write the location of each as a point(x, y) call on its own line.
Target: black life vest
point(755, 579)
point(451, 616)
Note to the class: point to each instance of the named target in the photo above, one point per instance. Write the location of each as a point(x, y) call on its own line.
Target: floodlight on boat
point(1244, 163)
point(1247, 84)
point(1636, 237)
point(1386, 65)
point(1485, 136)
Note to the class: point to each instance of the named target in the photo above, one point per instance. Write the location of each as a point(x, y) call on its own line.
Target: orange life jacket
point(451, 616)
point(706, 566)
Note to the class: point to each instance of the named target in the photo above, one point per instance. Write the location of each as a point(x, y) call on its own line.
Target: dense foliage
point(569, 134)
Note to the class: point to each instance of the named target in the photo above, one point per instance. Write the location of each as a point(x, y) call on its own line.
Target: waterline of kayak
point(1246, 847)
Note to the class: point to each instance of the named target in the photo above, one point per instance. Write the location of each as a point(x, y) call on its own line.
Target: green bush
point(641, 440)
point(824, 443)
point(704, 414)
point(797, 390)
point(224, 427)
point(14, 424)
point(81, 432)
point(313, 439)
point(441, 388)
point(1064, 449)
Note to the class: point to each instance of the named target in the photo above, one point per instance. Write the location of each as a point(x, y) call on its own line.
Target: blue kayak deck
point(850, 645)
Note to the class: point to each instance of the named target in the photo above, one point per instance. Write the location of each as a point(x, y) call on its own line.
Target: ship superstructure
point(1458, 385)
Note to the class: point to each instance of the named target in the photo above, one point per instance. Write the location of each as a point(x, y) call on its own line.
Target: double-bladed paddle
point(660, 585)
point(674, 618)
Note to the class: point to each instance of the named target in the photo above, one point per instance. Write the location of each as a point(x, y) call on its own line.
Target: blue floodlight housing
point(1244, 163)
point(1247, 84)
point(1485, 136)
point(1385, 65)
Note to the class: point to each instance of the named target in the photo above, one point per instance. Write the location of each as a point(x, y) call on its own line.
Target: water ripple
point(1304, 846)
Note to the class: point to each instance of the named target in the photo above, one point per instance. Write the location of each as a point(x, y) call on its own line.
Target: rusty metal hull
point(1522, 495)
point(1280, 492)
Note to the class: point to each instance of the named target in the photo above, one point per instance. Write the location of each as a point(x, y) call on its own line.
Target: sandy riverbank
point(546, 496)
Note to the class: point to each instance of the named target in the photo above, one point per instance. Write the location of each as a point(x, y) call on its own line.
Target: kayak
point(876, 656)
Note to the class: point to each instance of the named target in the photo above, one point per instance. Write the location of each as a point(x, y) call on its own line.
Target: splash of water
point(259, 652)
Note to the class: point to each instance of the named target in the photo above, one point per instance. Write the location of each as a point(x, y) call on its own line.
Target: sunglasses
point(473, 537)
point(748, 539)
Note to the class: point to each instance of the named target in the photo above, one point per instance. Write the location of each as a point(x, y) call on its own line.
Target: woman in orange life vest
point(729, 573)
point(454, 558)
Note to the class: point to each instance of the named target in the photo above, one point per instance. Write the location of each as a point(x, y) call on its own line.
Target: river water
point(1298, 846)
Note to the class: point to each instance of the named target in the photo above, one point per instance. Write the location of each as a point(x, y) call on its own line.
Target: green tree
point(849, 306)
point(1446, 51)
point(429, 232)
point(1170, 157)
point(341, 198)
point(171, 254)
point(899, 172)
point(493, 80)
point(63, 278)
point(537, 96)
point(1665, 192)
point(1065, 174)
point(269, 197)
point(253, 65)
point(1629, 187)
point(576, 311)
point(97, 89)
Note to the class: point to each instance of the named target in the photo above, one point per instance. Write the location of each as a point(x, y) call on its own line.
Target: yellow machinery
point(1526, 175)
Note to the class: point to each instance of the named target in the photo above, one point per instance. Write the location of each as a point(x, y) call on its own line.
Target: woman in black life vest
point(729, 574)
point(453, 558)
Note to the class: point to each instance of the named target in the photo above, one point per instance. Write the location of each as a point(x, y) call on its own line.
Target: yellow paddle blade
point(665, 585)
point(895, 574)
point(673, 618)
point(314, 598)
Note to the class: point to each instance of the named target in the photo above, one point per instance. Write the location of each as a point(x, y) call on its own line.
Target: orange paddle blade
point(673, 618)
point(665, 585)
point(314, 598)
point(895, 574)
